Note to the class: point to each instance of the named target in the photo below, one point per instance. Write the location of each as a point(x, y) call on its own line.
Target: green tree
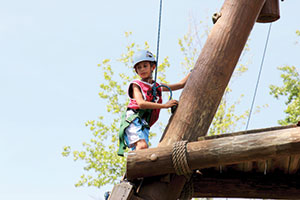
point(291, 90)
point(102, 165)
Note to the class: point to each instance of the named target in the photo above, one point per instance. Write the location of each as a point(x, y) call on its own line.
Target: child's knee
point(142, 144)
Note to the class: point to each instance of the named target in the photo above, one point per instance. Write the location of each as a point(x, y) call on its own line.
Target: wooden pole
point(206, 85)
point(247, 185)
point(269, 12)
point(213, 69)
point(216, 152)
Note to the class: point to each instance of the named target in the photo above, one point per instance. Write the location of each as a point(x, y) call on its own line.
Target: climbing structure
point(248, 155)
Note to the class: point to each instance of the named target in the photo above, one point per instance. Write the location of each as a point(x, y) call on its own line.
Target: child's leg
point(136, 135)
point(141, 144)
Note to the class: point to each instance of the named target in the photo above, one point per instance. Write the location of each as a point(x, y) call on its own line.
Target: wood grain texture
point(247, 185)
point(270, 12)
point(294, 164)
point(213, 69)
point(205, 87)
point(275, 146)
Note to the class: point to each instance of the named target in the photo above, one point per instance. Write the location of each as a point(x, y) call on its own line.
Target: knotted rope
point(181, 166)
point(179, 159)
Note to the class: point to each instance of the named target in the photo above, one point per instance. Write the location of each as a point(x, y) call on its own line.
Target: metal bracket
point(216, 16)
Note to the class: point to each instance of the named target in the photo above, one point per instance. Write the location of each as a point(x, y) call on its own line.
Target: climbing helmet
point(143, 55)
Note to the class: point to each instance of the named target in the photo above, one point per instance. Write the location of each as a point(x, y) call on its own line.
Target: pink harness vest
point(146, 89)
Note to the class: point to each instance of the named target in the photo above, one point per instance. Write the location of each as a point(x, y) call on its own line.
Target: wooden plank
point(279, 165)
point(248, 166)
point(259, 167)
point(122, 191)
point(233, 167)
point(294, 164)
point(236, 167)
point(247, 185)
point(222, 151)
point(255, 131)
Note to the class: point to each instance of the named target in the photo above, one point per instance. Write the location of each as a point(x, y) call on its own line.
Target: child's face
point(144, 69)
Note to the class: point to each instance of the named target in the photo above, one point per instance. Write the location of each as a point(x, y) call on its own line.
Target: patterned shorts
point(135, 132)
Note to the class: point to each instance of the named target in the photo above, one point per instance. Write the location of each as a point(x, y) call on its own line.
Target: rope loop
point(179, 159)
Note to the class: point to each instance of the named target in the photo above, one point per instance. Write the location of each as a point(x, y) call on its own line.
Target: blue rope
point(258, 78)
point(158, 39)
point(157, 54)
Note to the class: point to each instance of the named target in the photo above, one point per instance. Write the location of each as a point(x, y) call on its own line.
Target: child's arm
point(137, 95)
point(177, 86)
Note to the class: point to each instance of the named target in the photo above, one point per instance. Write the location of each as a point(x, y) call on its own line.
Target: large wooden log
point(213, 69)
point(206, 85)
point(247, 185)
point(215, 152)
point(269, 12)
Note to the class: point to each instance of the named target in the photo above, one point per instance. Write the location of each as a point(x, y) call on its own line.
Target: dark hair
point(151, 64)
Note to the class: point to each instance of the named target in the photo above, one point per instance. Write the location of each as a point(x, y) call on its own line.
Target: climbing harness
point(126, 121)
point(258, 78)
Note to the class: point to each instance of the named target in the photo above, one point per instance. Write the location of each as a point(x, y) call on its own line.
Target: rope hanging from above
point(158, 38)
point(157, 55)
point(258, 78)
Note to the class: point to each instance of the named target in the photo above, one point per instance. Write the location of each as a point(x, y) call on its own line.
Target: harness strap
point(126, 121)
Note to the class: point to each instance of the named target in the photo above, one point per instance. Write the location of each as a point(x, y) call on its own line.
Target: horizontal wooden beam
point(247, 185)
point(215, 152)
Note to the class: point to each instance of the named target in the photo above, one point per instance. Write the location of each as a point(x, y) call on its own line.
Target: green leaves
point(102, 165)
point(66, 151)
point(290, 89)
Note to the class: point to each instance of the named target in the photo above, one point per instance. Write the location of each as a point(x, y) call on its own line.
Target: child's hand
point(171, 103)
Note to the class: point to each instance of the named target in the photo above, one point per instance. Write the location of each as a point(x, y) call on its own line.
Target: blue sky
point(49, 80)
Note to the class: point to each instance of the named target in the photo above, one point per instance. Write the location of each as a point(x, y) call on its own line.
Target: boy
point(143, 108)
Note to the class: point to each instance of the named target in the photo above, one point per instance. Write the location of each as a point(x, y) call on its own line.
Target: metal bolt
point(153, 157)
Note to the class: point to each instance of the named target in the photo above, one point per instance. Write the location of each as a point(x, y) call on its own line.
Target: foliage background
point(49, 79)
point(103, 166)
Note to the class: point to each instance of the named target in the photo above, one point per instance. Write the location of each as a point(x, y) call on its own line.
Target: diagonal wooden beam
point(216, 152)
point(206, 85)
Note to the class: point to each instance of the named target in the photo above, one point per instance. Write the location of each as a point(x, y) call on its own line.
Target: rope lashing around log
point(179, 159)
